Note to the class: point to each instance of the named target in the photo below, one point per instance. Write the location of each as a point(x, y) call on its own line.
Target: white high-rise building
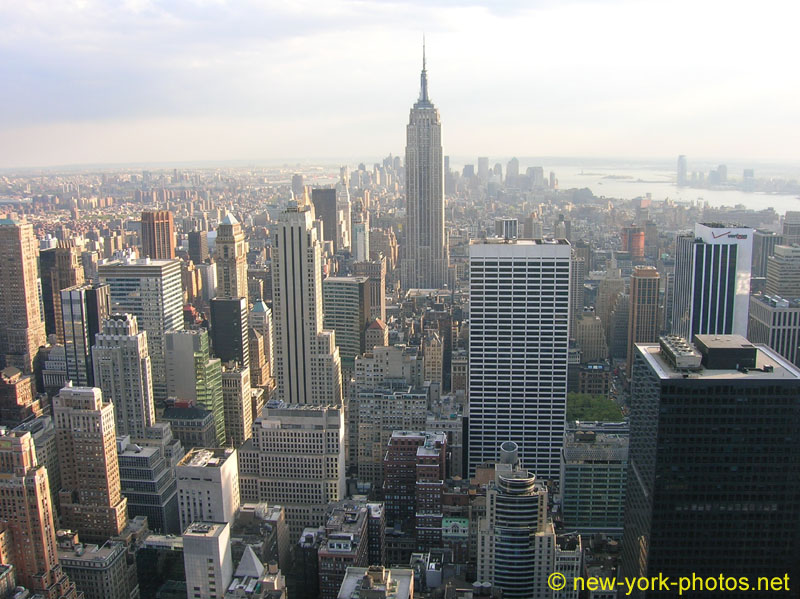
point(307, 365)
point(712, 281)
point(426, 255)
point(343, 211)
point(208, 486)
point(207, 560)
point(361, 237)
point(122, 371)
point(518, 341)
point(151, 291)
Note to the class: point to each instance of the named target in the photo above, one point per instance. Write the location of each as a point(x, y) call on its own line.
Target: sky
point(145, 81)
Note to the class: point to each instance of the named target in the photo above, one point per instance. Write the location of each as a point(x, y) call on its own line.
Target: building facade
point(703, 416)
point(518, 341)
point(307, 364)
point(158, 235)
point(91, 499)
point(296, 459)
point(151, 291)
point(22, 330)
point(122, 371)
point(712, 280)
point(208, 486)
point(426, 260)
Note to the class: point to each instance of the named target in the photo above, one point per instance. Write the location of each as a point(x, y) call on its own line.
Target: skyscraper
point(158, 235)
point(682, 179)
point(307, 365)
point(712, 461)
point(21, 327)
point(238, 405)
point(426, 257)
point(208, 486)
point(83, 309)
point(324, 201)
point(122, 371)
point(65, 270)
point(192, 374)
point(346, 306)
point(198, 246)
point(298, 185)
point(151, 291)
point(360, 241)
point(230, 254)
point(229, 324)
point(91, 499)
point(295, 458)
point(518, 341)
point(791, 227)
point(344, 233)
point(376, 271)
point(764, 243)
point(783, 272)
point(712, 280)
point(509, 555)
point(260, 319)
point(576, 291)
point(207, 559)
point(26, 518)
point(644, 324)
point(775, 322)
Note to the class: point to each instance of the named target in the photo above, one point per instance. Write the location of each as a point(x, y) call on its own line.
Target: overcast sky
point(92, 81)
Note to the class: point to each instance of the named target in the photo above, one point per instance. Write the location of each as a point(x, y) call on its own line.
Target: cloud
point(513, 77)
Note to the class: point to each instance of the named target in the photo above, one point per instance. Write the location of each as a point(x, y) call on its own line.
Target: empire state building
point(426, 258)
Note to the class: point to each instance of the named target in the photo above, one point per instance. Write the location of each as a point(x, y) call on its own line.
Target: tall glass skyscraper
point(426, 259)
point(713, 475)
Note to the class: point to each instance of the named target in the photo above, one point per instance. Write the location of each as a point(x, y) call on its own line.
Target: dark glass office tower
point(229, 324)
point(198, 246)
point(713, 484)
point(324, 201)
point(83, 310)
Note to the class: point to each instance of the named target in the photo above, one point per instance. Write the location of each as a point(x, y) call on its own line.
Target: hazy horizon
point(188, 82)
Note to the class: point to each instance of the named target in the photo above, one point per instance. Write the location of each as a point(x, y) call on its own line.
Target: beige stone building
point(22, 330)
point(91, 499)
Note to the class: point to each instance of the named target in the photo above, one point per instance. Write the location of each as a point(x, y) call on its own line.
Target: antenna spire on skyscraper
point(423, 78)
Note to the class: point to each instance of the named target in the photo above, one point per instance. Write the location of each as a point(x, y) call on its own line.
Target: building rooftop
point(206, 458)
point(724, 350)
point(517, 241)
point(229, 219)
point(146, 262)
point(204, 529)
point(377, 581)
point(776, 301)
point(127, 449)
point(259, 306)
point(187, 413)
point(90, 555)
point(172, 542)
point(590, 446)
point(347, 279)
